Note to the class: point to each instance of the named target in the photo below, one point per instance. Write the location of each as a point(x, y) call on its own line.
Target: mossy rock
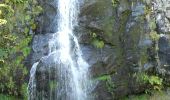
point(100, 19)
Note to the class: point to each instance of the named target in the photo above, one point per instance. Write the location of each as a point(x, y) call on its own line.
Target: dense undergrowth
point(17, 24)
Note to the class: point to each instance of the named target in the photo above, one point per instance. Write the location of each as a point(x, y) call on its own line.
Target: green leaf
point(27, 17)
point(98, 43)
point(152, 24)
point(26, 30)
point(3, 21)
point(103, 78)
point(26, 51)
point(3, 54)
point(37, 10)
point(154, 36)
point(9, 8)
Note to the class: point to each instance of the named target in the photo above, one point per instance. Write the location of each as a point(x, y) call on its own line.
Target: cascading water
point(71, 71)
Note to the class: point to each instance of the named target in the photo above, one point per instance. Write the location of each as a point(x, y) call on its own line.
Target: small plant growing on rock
point(115, 3)
point(96, 42)
point(154, 82)
point(154, 36)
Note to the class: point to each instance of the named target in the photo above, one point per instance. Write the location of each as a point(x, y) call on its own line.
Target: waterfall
point(71, 70)
point(32, 83)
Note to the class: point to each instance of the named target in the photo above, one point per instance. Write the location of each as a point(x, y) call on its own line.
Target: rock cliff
point(118, 38)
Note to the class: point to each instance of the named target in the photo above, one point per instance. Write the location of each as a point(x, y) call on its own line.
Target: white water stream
point(72, 71)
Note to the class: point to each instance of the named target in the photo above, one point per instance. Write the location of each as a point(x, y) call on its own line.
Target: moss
point(98, 9)
point(108, 25)
point(53, 85)
point(124, 17)
point(103, 78)
point(122, 28)
point(143, 57)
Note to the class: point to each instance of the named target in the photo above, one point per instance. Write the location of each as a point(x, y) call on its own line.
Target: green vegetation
point(143, 57)
point(115, 3)
point(17, 20)
point(108, 83)
point(53, 85)
point(139, 97)
point(6, 97)
point(103, 78)
point(155, 95)
point(154, 36)
point(154, 82)
point(110, 86)
point(96, 42)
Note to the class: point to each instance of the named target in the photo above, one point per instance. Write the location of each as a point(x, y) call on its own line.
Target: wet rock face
point(47, 21)
point(164, 51)
point(40, 46)
point(101, 60)
point(162, 14)
point(122, 30)
point(45, 75)
point(126, 34)
point(96, 16)
point(164, 55)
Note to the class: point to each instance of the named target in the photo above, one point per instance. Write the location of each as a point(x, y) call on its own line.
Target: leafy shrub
point(155, 82)
point(17, 20)
point(7, 97)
